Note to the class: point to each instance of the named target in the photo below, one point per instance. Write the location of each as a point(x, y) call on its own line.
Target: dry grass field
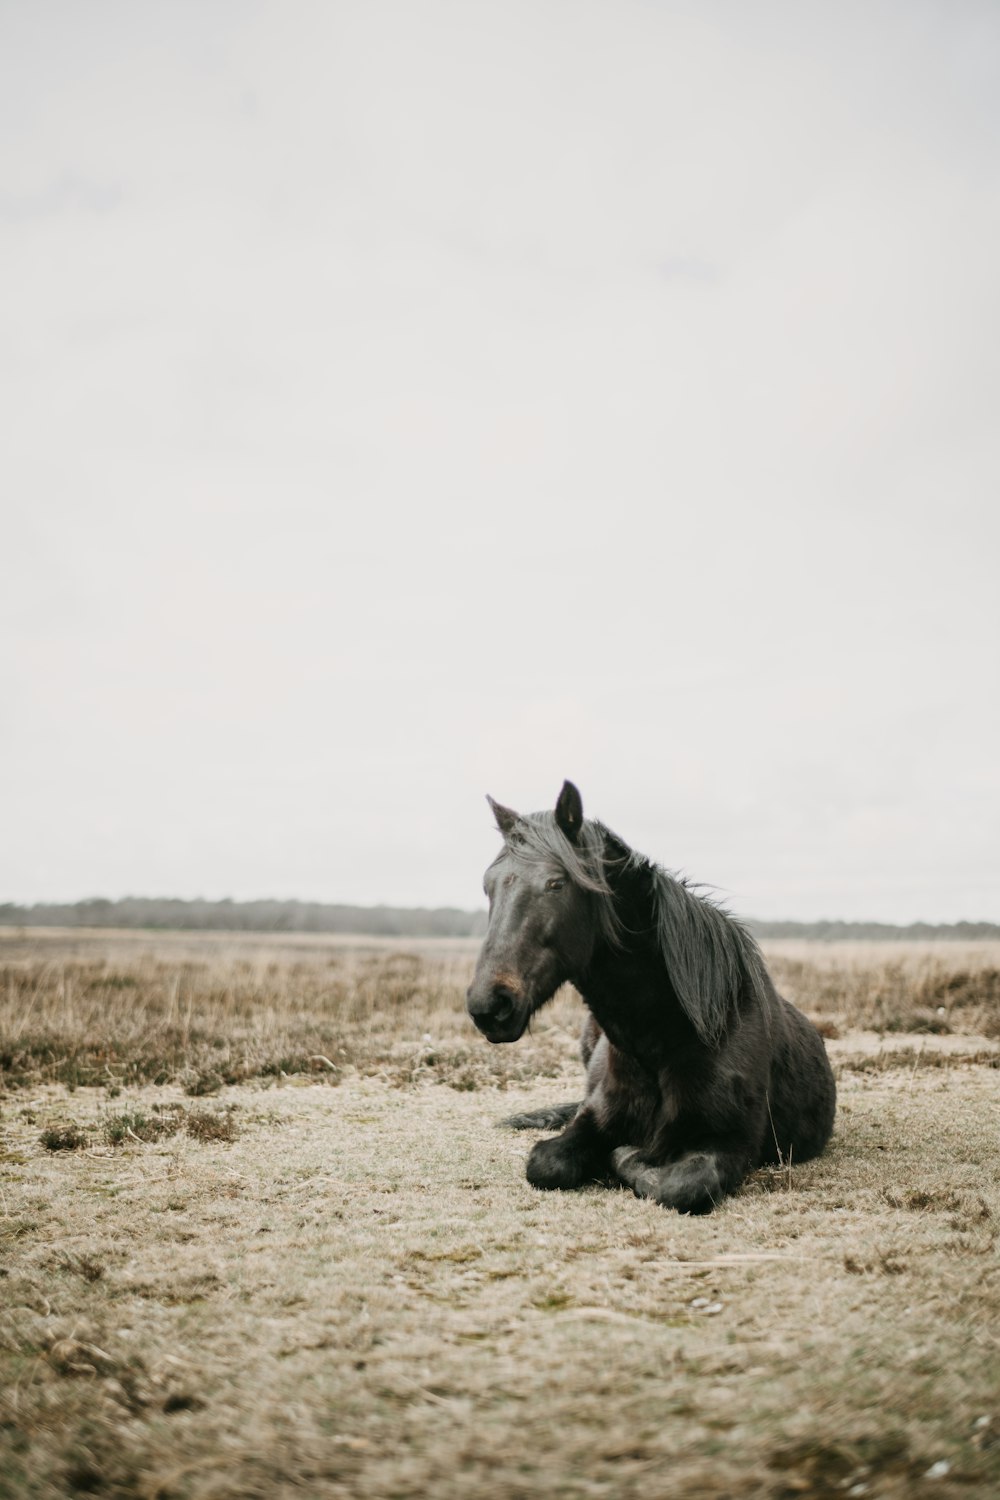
point(259, 1236)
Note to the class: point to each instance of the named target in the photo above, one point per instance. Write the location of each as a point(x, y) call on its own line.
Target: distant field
point(259, 1236)
point(102, 1008)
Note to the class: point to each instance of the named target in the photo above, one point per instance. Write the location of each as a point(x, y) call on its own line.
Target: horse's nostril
point(503, 1005)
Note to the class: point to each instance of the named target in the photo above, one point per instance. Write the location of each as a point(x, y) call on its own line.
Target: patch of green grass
point(142, 1127)
point(134, 1124)
point(64, 1138)
point(553, 1302)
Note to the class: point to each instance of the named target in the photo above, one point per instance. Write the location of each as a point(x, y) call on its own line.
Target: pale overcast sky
point(403, 402)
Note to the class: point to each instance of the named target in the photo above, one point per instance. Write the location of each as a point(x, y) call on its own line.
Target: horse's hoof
point(552, 1165)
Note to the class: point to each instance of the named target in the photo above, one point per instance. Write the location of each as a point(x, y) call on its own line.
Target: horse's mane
point(710, 957)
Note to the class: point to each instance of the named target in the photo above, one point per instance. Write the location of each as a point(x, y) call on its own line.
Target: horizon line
point(9, 908)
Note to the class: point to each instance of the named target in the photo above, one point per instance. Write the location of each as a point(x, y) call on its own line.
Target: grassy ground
point(260, 1236)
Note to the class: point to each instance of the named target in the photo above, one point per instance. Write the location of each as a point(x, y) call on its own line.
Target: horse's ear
point(569, 811)
point(506, 816)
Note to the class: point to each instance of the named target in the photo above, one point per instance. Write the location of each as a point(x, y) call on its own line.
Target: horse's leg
point(694, 1183)
point(569, 1159)
point(552, 1118)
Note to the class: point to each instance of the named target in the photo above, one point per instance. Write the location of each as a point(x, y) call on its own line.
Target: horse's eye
point(555, 884)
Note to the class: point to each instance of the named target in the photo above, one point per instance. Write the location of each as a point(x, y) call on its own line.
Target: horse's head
point(541, 932)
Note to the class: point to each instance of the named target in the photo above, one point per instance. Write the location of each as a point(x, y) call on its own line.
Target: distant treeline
point(836, 932)
point(395, 921)
point(250, 916)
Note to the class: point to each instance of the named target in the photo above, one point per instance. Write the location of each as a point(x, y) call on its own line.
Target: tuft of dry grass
point(64, 1138)
point(212, 1124)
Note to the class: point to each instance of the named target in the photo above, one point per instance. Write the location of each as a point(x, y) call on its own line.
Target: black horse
point(697, 1069)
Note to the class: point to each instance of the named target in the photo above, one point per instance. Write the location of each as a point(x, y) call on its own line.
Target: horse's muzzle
point(500, 1014)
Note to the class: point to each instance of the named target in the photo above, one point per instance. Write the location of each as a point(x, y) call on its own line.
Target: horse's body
point(697, 1070)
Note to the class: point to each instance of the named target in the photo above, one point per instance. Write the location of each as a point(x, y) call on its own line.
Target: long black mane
point(713, 963)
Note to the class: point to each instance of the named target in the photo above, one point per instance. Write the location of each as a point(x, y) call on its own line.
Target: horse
point(697, 1070)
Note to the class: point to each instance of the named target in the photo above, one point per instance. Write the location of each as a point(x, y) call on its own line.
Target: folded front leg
point(575, 1156)
point(694, 1183)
